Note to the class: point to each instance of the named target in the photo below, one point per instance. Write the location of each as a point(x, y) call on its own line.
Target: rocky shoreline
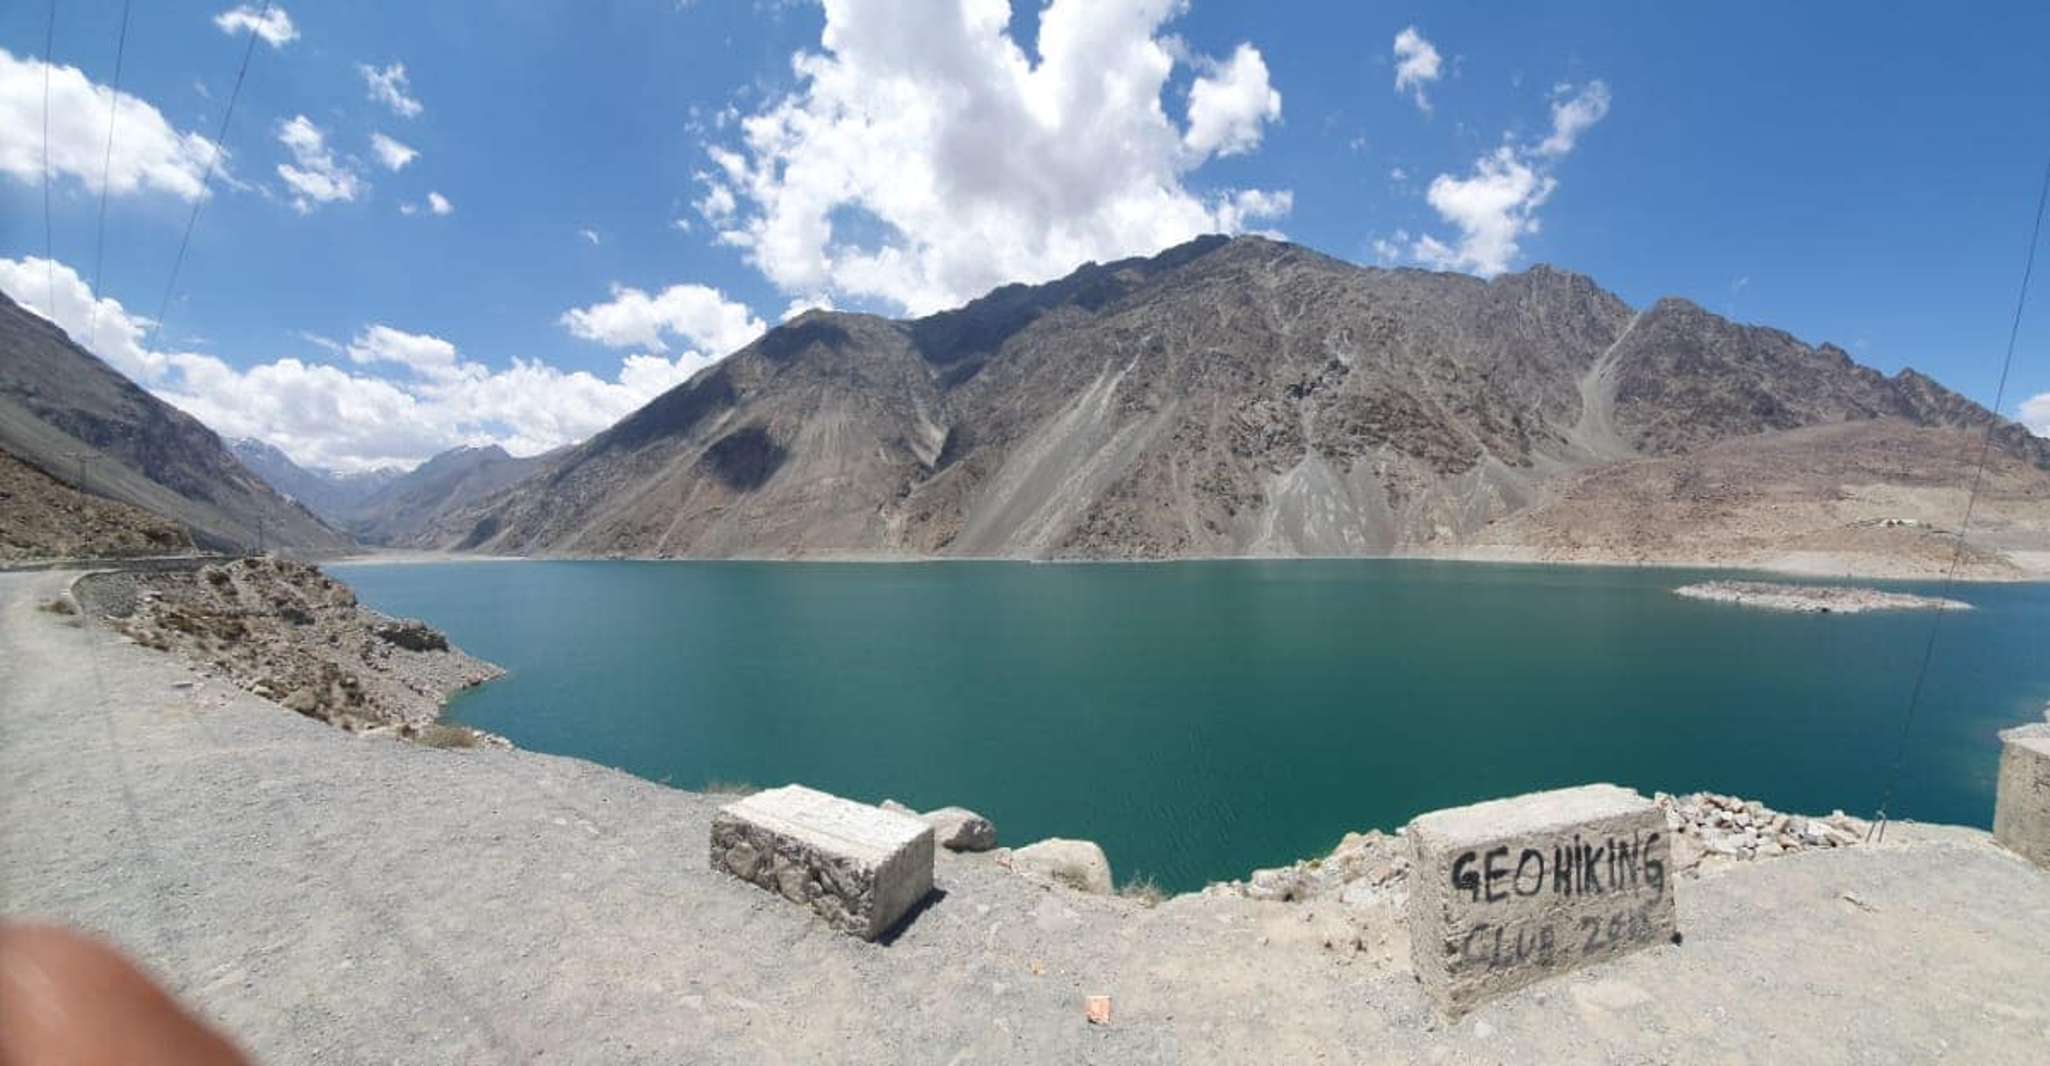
point(1814, 599)
point(286, 632)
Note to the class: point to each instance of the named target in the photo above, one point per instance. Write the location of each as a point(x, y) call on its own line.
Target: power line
point(49, 238)
point(106, 171)
point(156, 325)
point(1878, 830)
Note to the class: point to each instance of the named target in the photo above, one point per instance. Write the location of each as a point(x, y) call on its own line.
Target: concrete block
point(2021, 803)
point(861, 868)
point(1507, 892)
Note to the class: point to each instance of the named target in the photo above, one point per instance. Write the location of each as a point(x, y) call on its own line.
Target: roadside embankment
point(286, 632)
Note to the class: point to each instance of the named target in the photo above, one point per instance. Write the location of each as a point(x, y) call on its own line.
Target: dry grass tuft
point(446, 736)
point(1144, 889)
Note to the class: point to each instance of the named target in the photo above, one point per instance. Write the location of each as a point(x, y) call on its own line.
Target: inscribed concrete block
point(2021, 803)
point(1510, 891)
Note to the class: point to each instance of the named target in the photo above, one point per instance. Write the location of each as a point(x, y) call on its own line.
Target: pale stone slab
point(1510, 891)
point(2021, 803)
point(861, 868)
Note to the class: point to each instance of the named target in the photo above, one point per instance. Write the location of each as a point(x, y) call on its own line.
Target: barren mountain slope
point(58, 401)
point(1686, 378)
point(1869, 497)
point(43, 518)
point(407, 503)
point(1226, 397)
point(326, 493)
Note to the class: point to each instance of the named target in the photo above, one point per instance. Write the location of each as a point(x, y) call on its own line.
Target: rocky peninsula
point(1814, 599)
point(286, 632)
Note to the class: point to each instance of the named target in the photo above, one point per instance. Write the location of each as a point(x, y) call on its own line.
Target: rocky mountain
point(73, 417)
point(400, 509)
point(331, 494)
point(43, 518)
point(1226, 397)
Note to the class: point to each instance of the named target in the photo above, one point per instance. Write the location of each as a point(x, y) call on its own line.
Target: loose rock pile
point(1365, 868)
point(289, 633)
point(1709, 826)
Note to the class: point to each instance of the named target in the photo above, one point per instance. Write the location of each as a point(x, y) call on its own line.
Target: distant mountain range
point(75, 419)
point(389, 505)
point(1251, 397)
point(327, 493)
point(1227, 397)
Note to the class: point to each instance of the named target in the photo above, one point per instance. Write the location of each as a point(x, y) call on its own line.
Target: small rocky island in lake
point(1814, 599)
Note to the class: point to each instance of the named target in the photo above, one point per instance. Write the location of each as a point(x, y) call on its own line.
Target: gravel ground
point(332, 898)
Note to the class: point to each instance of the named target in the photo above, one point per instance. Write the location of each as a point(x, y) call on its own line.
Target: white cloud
point(1492, 208)
point(1228, 107)
point(717, 205)
point(1495, 207)
point(390, 88)
point(426, 355)
point(315, 175)
point(699, 314)
point(274, 26)
point(318, 341)
point(1417, 64)
point(925, 157)
point(350, 418)
point(391, 153)
point(1389, 250)
point(591, 235)
point(1572, 114)
point(802, 304)
point(116, 335)
point(148, 153)
point(439, 204)
point(1239, 211)
point(2035, 414)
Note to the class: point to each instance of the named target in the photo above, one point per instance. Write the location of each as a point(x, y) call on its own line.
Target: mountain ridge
point(330, 494)
point(1227, 397)
point(66, 412)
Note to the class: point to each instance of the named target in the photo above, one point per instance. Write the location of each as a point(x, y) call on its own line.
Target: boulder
point(1078, 864)
point(960, 829)
point(860, 868)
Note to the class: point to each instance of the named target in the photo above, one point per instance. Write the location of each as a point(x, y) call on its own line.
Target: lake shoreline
point(1816, 568)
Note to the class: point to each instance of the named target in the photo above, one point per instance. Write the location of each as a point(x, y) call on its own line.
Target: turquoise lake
point(1203, 719)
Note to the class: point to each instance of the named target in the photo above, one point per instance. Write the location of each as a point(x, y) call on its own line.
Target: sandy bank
point(338, 898)
point(1813, 599)
point(2027, 566)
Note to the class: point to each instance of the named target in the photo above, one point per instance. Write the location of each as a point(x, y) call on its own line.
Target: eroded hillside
point(1226, 397)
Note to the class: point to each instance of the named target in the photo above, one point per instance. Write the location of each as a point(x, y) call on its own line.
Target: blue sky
point(633, 187)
